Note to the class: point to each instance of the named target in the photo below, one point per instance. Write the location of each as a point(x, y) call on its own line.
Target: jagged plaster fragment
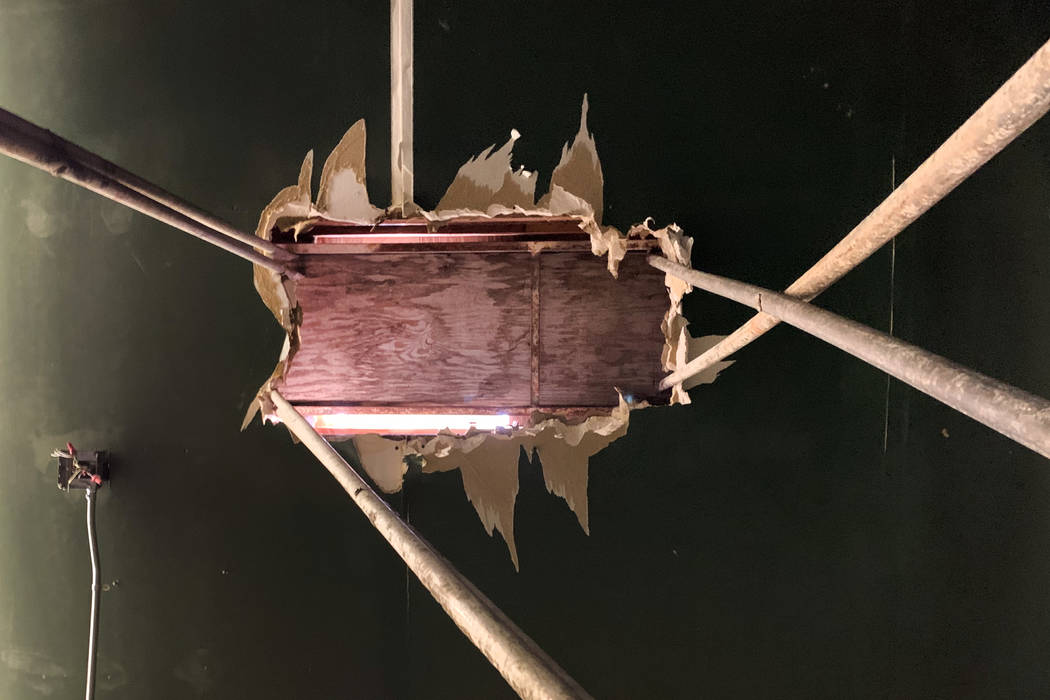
point(579, 172)
point(383, 459)
point(679, 345)
point(488, 463)
point(343, 194)
point(565, 451)
point(291, 203)
point(488, 186)
point(691, 348)
point(487, 183)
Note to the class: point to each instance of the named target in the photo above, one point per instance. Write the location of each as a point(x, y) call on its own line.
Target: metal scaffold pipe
point(1015, 106)
point(402, 164)
point(40, 148)
point(1015, 413)
point(521, 662)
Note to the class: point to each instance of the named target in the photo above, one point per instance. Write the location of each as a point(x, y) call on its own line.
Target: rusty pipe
point(521, 662)
point(45, 151)
point(1022, 417)
point(1015, 106)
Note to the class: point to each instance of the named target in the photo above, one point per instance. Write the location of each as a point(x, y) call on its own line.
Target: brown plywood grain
point(458, 330)
point(446, 329)
point(597, 332)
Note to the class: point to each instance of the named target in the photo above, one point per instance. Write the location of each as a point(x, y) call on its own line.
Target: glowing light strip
point(405, 423)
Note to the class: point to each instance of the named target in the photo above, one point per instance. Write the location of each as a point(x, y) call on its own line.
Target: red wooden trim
point(582, 245)
point(466, 234)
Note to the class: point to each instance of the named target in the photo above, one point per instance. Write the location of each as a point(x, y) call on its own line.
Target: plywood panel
point(446, 329)
point(597, 332)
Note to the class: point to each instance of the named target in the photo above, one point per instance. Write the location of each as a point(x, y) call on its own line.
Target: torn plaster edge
point(487, 187)
point(679, 345)
point(579, 171)
point(486, 181)
point(446, 443)
point(278, 293)
point(488, 463)
point(605, 240)
point(343, 195)
point(576, 191)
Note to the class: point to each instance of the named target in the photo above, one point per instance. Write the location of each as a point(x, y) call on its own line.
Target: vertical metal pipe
point(51, 157)
point(402, 165)
point(524, 665)
point(92, 662)
point(1015, 106)
point(1020, 416)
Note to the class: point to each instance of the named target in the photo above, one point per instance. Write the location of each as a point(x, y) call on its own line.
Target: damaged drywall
point(290, 206)
point(342, 194)
point(488, 463)
point(487, 185)
point(385, 459)
point(578, 175)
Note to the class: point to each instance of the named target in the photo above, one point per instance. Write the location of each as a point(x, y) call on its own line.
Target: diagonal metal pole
point(521, 662)
point(1021, 416)
point(40, 148)
point(144, 187)
point(1015, 106)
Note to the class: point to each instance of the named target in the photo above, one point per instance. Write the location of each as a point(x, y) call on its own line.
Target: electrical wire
point(89, 496)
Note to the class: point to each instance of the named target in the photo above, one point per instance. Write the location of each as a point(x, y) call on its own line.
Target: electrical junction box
point(79, 469)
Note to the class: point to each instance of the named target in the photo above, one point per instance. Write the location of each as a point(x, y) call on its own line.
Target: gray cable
point(89, 495)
